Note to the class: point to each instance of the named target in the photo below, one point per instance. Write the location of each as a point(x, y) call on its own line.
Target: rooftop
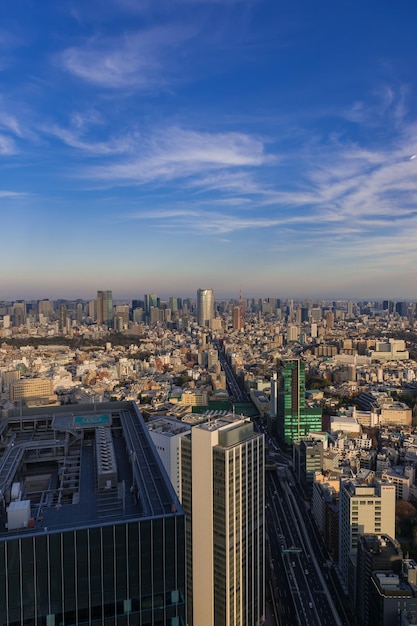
point(168, 426)
point(79, 466)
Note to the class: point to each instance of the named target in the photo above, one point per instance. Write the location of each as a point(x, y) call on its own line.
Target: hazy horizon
point(117, 297)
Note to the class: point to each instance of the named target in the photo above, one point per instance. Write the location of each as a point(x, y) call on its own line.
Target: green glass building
point(294, 420)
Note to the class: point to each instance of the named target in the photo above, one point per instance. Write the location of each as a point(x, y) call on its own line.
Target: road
point(235, 392)
point(291, 548)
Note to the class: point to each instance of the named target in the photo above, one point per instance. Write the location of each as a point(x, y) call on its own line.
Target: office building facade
point(91, 529)
point(223, 498)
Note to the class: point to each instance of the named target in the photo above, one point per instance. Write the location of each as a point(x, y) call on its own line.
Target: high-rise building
point(205, 306)
point(19, 313)
point(104, 307)
point(223, 498)
point(63, 318)
point(330, 320)
point(293, 333)
point(79, 312)
point(363, 508)
point(150, 300)
point(274, 396)
point(295, 420)
point(316, 314)
point(237, 318)
point(401, 308)
point(45, 307)
point(375, 552)
point(91, 530)
point(121, 315)
point(173, 303)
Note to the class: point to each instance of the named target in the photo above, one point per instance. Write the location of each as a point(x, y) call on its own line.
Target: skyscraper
point(19, 312)
point(104, 307)
point(63, 318)
point(223, 498)
point(294, 419)
point(150, 300)
point(205, 306)
point(237, 318)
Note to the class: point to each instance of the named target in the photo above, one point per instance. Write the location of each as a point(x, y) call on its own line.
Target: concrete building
point(402, 477)
point(35, 390)
point(395, 413)
point(91, 529)
point(166, 433)
point(325, 508)
point(375, 552)
point(261, 401)
point(194, 397)
point(364, 508)
point(223, 497)
point(392, 600)
point(391, 349)
point(307, 459)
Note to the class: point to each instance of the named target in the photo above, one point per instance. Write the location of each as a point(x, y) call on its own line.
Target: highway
point(291, 549)
point(235, 392)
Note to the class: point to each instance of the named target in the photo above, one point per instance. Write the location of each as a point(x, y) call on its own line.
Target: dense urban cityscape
point(208, 321)
point(286, 429)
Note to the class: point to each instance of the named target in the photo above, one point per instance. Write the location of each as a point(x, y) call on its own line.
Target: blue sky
point(166, 145)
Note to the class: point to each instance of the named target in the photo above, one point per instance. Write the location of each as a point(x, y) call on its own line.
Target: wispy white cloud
point(134, 60)
point(176, 153)
point(386, 103)
point(7, 145)
point(10, 123)
point(349, 195)
point(74, 139)
point(11, 194)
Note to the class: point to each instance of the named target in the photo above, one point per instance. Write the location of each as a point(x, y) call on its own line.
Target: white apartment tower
point(363, 508)
point(274, 396)
point(205, 306)
point(223, 497)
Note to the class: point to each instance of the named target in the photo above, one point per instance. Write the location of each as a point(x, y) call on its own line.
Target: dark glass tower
point(95, 533)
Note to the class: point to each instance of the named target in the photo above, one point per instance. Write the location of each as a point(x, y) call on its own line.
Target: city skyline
point(198, 142)
point(190, 295)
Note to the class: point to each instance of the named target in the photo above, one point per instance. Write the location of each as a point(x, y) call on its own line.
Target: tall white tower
point(223, 498)
point(205, 306)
